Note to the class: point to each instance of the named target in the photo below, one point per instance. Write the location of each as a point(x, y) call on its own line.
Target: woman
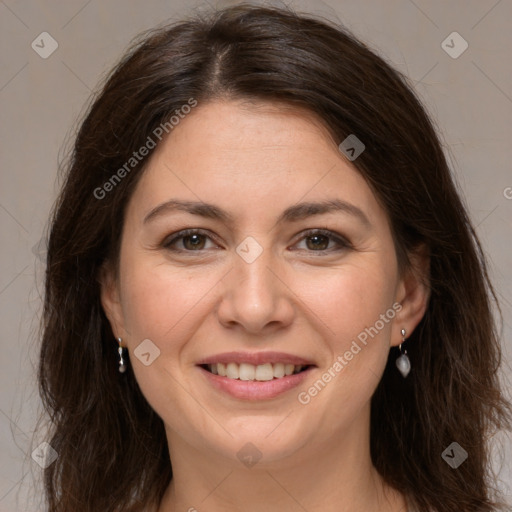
point(260, 272)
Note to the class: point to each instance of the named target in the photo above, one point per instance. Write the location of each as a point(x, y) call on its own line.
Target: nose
point(256, 297)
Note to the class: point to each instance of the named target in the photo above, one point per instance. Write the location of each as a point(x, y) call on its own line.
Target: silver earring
point(122, 365)
point(403, 363)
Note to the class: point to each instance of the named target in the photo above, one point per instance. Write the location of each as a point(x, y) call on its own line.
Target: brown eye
point(191, 240)
point(318, 240)
point(195, 241)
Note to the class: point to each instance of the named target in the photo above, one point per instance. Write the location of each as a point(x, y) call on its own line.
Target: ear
point(110, 299)
point(413, 293)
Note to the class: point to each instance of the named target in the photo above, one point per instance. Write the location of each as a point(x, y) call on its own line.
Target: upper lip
point(256, 358)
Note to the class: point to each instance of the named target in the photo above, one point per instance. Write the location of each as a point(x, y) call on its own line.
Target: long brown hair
point(112, 447)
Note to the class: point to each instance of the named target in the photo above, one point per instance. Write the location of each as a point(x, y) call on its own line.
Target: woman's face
point(257, 288)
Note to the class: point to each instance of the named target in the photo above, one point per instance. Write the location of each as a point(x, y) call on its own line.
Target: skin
point(255, 160)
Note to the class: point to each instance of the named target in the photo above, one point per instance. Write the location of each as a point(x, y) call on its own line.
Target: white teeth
point(279, 370)
point(264, 372)
point(221, 369)
point(232, 371)
point(246, 371)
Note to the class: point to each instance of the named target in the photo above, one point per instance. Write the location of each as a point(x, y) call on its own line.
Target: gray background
point(469, 97)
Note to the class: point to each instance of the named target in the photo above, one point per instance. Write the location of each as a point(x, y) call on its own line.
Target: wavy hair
point(112, 447)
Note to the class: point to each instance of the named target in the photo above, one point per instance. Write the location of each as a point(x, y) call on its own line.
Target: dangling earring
point(122, 365)
point(403, 363)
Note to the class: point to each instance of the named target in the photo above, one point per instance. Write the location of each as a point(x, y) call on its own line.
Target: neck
point(328, 475)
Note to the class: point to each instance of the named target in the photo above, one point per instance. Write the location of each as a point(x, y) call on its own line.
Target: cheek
point(166, 306)
point(158, 301)
point(359, 313)
point(356, 306)
point(351, 299)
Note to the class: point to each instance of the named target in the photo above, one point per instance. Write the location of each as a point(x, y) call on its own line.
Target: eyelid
point(342, 241)
point(174, 237)
point(336, 237)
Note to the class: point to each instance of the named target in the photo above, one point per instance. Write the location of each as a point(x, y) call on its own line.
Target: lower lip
point(255, 390)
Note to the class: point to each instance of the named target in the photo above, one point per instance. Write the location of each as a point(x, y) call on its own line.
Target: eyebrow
point(293, 213)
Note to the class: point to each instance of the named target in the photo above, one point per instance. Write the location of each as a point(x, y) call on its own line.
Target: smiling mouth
point(249, 372)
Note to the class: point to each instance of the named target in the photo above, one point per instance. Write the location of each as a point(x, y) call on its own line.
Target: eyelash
point(341, 241)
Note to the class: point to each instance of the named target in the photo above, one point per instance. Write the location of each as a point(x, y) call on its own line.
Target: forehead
point(250, 157)
point(247, 128)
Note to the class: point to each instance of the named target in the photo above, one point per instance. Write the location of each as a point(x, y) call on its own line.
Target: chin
point(260, 440)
